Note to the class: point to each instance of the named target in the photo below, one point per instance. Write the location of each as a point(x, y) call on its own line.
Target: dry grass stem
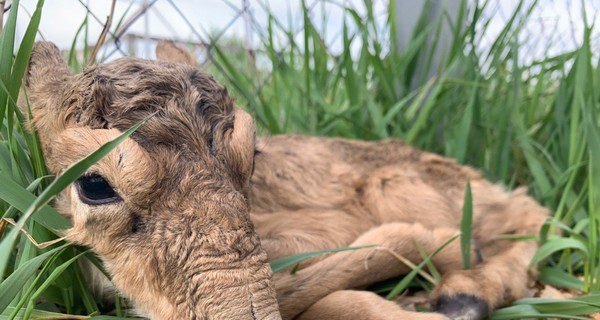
point(102, 37)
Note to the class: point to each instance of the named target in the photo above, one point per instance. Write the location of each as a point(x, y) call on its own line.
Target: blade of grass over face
point(70, 175)
point(75, 171)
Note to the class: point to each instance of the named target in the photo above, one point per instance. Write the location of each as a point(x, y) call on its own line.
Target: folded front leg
point(352, 269)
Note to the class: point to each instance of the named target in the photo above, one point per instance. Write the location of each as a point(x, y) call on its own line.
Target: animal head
point(167, 210)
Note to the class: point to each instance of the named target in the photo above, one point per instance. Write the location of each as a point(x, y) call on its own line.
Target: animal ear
point(47, 70)
point(169, 51)
point(238, 149)
point(45, 82)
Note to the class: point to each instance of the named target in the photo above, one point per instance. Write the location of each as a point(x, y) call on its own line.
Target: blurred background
point(471, 79)
point(553, 26)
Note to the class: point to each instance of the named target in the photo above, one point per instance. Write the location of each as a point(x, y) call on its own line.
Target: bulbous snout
point(218, 273)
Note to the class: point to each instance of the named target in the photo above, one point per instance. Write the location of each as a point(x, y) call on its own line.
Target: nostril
point(95, 190)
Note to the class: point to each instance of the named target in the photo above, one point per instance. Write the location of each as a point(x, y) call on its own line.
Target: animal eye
point(95, 190)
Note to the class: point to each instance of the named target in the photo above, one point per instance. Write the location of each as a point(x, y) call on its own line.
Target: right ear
point(238, 147)
point(45, 84)
point(169, 51)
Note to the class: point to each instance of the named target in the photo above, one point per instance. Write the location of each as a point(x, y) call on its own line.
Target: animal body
point(186, 213)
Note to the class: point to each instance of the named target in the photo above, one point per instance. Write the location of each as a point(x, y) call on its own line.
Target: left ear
point(169, 51)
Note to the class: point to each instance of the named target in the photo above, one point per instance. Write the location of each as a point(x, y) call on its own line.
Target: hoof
point(461, 307)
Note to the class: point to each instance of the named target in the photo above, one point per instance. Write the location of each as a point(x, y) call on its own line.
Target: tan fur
point(392, 195)
point(181, 244)
point(170, 51)
point(364, 306)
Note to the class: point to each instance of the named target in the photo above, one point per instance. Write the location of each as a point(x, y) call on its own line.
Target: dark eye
point(95, 190)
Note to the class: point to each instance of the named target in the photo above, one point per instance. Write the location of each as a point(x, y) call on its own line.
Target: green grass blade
point(556, 245)
point(403, 284)
point(466, 227)
point(7, 40)
point(51, 278)
point(286, 262)
point(45, 315)
point(22, 58)
point(10, 287)
point(559, 278)
point(20, 198)
point(528, 312)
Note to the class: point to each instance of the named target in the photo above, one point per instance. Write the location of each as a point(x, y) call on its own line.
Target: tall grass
point(533, 124)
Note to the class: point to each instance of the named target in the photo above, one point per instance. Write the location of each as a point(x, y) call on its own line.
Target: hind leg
point(361, 305)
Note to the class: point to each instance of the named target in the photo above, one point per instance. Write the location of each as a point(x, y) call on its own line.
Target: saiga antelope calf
point(177, 210)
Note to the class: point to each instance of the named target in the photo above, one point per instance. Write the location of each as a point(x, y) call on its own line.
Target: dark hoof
point(461, 307)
